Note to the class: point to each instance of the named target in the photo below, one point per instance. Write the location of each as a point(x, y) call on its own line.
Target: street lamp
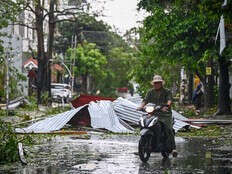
point(74, 45)
point(70, 75)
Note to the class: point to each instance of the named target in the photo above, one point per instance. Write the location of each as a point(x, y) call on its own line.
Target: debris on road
point(117, 116)
point(14, 103)
point(21, 153)
point(208, 121)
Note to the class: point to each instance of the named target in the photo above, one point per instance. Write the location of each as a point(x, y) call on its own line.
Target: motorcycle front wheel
point(144, 153)
point(165, 154)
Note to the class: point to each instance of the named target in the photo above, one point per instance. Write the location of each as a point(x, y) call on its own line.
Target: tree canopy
point(88, 28)
point(118, 53)
point(180, 32)
point(89, 61)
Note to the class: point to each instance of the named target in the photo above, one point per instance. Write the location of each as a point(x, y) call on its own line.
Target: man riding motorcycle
point(161, 96)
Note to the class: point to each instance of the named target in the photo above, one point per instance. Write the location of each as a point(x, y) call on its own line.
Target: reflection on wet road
point(116, 154)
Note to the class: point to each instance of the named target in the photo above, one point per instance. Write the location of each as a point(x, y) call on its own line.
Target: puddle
point(116, 154)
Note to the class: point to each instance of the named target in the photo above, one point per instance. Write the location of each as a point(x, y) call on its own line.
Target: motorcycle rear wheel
point(143, 149)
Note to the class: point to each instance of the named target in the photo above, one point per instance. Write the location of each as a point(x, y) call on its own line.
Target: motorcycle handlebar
point(156, 108)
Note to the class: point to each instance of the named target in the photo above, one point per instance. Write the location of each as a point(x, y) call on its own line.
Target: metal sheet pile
point(118, 116)
point(126, 110)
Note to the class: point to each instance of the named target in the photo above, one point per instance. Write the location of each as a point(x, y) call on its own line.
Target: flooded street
point(104, 153)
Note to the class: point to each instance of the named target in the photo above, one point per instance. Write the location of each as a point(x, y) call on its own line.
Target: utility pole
point(7, 82)
point(74, 44)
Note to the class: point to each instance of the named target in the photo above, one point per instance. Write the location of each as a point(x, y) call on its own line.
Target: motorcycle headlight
point(154, 121)
point(149, 109)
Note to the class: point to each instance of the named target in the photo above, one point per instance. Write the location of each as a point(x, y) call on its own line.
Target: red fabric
point(124, 89)
point(85, 99)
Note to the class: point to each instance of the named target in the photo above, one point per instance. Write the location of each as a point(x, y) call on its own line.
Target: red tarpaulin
point(85, 99)
point(124, 89)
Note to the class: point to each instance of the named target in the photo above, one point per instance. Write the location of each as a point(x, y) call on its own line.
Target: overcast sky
point(122, 14)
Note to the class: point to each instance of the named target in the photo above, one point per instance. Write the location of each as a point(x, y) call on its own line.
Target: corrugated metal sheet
point(126, 110)
point(101, 113)
point(50, 124)
point(103, 116)
point(136, 98)
point(109, 115)
point(178, 116)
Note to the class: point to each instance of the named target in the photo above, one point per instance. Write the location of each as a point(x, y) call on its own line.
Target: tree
point(147, 64)
point(41, 11)
point(183, 32)
point(9, 11)
point(117, 51)
point(88, 28)
point(119, 64)
point(89, 62)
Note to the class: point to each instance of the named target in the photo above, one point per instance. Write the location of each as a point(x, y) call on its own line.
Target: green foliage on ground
point(9, 143)
point(3, 113)
point(32, 104)
point(209, 131)
point(54, 111)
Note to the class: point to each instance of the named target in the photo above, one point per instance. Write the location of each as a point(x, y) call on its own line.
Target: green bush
point(9, 144)
point(33, 104)
point(2, 113)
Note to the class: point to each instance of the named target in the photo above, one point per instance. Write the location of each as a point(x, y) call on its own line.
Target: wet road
point(115, 154)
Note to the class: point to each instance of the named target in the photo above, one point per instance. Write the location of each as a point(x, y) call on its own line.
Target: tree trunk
point(50, 42)
point(190, 87)
point(224, 88)
point(40, 50)
point(209, 87)
point(84, 83)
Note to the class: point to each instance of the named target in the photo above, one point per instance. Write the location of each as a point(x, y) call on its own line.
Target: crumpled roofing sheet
point(103, 116)
point(113, 116)
point(101, 113)
point(50, 124)
point(136, 98)
point(126, 110)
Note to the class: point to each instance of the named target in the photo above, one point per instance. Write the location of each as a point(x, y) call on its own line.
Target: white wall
point(13, 45)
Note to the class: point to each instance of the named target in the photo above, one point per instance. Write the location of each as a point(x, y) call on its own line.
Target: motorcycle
point(152, 140)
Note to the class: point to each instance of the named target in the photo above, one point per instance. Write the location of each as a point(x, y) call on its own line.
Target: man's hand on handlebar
point(165, 109)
